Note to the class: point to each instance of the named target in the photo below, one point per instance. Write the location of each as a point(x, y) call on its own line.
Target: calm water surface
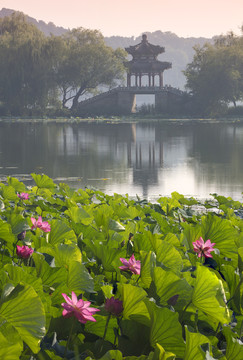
point(148, 159)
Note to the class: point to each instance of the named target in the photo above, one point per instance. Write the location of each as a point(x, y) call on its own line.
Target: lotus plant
point(114, 306)
point(43, 225)
point(24, 252)
point(131, 265)
point(21, 236)
point(79, 308)
point(203, 249)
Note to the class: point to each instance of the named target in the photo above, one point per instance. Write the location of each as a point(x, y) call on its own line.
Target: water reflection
point(148, 159)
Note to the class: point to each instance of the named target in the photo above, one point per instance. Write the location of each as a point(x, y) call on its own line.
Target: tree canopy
point(39, 72)
point(87, 63)
point(24, 65)
point(215, 76)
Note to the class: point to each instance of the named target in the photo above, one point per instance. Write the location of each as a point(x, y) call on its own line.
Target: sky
point(185, 18)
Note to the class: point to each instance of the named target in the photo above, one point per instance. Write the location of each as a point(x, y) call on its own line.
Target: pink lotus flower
point(43, 225)
point(23, 196)
point(78, 308)
point(131, 265)
point(114, 306)
point(203, 249)
point(24, 252)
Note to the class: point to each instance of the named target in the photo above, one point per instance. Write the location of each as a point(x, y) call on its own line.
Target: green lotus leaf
point(98, 327)
point(141, 241)
point(16, 184)
point(102, 215)
point(208, 295)
point(240, 259)
point(109, 257)
point(79, 215)
point(165, 329)
point(193, 345)
point(168, 255)
point(112, 355)
point(6, 235)
point(11, 343)
point(168, 204)
point(27, 275)
point(133, 304)
point(168, 284)
point(61, 233)
point(147, 267)
point(115, 226)
point(234, 348)
point(24, 310)
point(64, 254)
point(223, 234)
point(235, 287)
point(134, 338)
point(79, 279)
point(8, 193)
point(161, 354)
point(107, 291)
point(43, 181)
point(18, 223)
point(172, 239)
point(190, 234)
point(50, 276)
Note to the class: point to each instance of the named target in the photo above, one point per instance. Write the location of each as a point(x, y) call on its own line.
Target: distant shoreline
point(131, 119)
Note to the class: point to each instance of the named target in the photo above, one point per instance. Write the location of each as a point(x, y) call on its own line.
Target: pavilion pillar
point(128, 80)
point(153, 80)
point(161, 80)
point(140, 80)
point(149, 78)
point(136, 77)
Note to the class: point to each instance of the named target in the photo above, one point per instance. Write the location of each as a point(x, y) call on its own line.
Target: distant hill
point(47, 29)
point(178, 50)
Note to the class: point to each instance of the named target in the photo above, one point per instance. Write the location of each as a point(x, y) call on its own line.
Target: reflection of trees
point(131, 154)
point(217, 148)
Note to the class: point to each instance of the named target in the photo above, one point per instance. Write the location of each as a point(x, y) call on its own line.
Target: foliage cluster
point(215, 76)
point(38, 73)
point(178, 307)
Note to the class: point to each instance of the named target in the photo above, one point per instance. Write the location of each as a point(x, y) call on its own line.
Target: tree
point(86, 63)
point(26, 66)
point(215, 75)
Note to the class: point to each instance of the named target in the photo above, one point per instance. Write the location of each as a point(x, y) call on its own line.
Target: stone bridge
point(122, 100)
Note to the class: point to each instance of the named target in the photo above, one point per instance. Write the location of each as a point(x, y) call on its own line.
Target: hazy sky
point(185, 18)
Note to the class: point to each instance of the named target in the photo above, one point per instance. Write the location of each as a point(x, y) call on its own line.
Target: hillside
point(47, 29)
point(178, 50)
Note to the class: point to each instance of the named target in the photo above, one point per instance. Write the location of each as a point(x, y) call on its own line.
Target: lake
point(150, 159)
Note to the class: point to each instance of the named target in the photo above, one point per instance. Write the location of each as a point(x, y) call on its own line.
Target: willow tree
point(26, 57)
point(87, 63)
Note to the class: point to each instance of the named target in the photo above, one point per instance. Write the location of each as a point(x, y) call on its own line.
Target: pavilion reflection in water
point(136, 149)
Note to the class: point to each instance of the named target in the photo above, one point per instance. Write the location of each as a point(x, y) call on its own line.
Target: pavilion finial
point(144, 37)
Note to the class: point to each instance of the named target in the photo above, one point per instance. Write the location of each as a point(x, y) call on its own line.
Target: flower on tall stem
point(79, 308)
point(24, 252)
point(131, 265)
point(203, 249)
point(43, 225)
point(114, 306)
point(23, 196)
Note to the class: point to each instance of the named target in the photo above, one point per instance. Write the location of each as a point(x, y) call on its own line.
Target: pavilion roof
point(144, 48)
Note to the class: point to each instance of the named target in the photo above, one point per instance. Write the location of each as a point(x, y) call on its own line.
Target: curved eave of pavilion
point(147, 67)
